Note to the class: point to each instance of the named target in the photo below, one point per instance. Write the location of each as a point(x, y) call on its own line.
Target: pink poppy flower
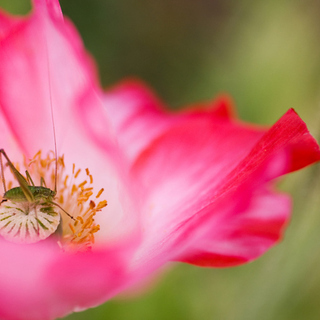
point(195, 186)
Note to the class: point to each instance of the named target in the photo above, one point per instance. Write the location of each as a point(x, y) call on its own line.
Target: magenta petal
point(138, 116)
point(88, 278)
point(38, 282)
point(134, 111)
point(38, 53)
point(206, 175)
point(194, 186)
point(43, 63)
point(247, 225)
point(7, 24)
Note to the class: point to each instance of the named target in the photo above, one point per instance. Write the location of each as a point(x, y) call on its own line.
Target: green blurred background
point(266, 54)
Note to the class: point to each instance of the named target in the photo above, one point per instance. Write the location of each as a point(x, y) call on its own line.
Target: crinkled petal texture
point(194, 186)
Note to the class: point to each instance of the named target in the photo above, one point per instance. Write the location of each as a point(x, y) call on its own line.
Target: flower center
point(66, 213)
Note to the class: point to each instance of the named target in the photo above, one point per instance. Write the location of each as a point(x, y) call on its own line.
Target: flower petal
point(201, 179)
point(138, 116)
point(190, 198)
point(40, 282)
point(133, 111)
point(243, 236)
point(44, 63)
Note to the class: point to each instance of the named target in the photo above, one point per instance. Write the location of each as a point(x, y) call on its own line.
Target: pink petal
point(138, 116)
point(133, 110)
point(192, 207)
point(39, 282)
point(7, 23)
point(43, 60)
point(200, 180)
point(244, 236)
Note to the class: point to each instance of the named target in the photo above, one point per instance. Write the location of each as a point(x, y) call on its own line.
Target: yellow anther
point(102, 204)
point(88, 223)
point(77, 173)
point(31, 162)
point(88, 194)
point(72, 228)
point(83, 198)
point(37, 155)
point(95, 229)
point(43, 163)
point(82, 184)
point(65, 181)
point(80, 219)
point(99, 193)
point(74, 189)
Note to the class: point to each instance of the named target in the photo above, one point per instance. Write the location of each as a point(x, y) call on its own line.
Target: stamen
point(99, 193)
point(95, 229)
point(101, 204)
point(74, 189)
point(65, 181)
point(72, 196)
point(61, 161)
point(43, 163)
point(72, 228)
point(37, 155)
point(77, 173)
point(80, 219)
point(31, 162)
point(87, 189)
point(82, 184)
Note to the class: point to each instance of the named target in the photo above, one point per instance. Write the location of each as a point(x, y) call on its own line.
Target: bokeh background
point(266, 55)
